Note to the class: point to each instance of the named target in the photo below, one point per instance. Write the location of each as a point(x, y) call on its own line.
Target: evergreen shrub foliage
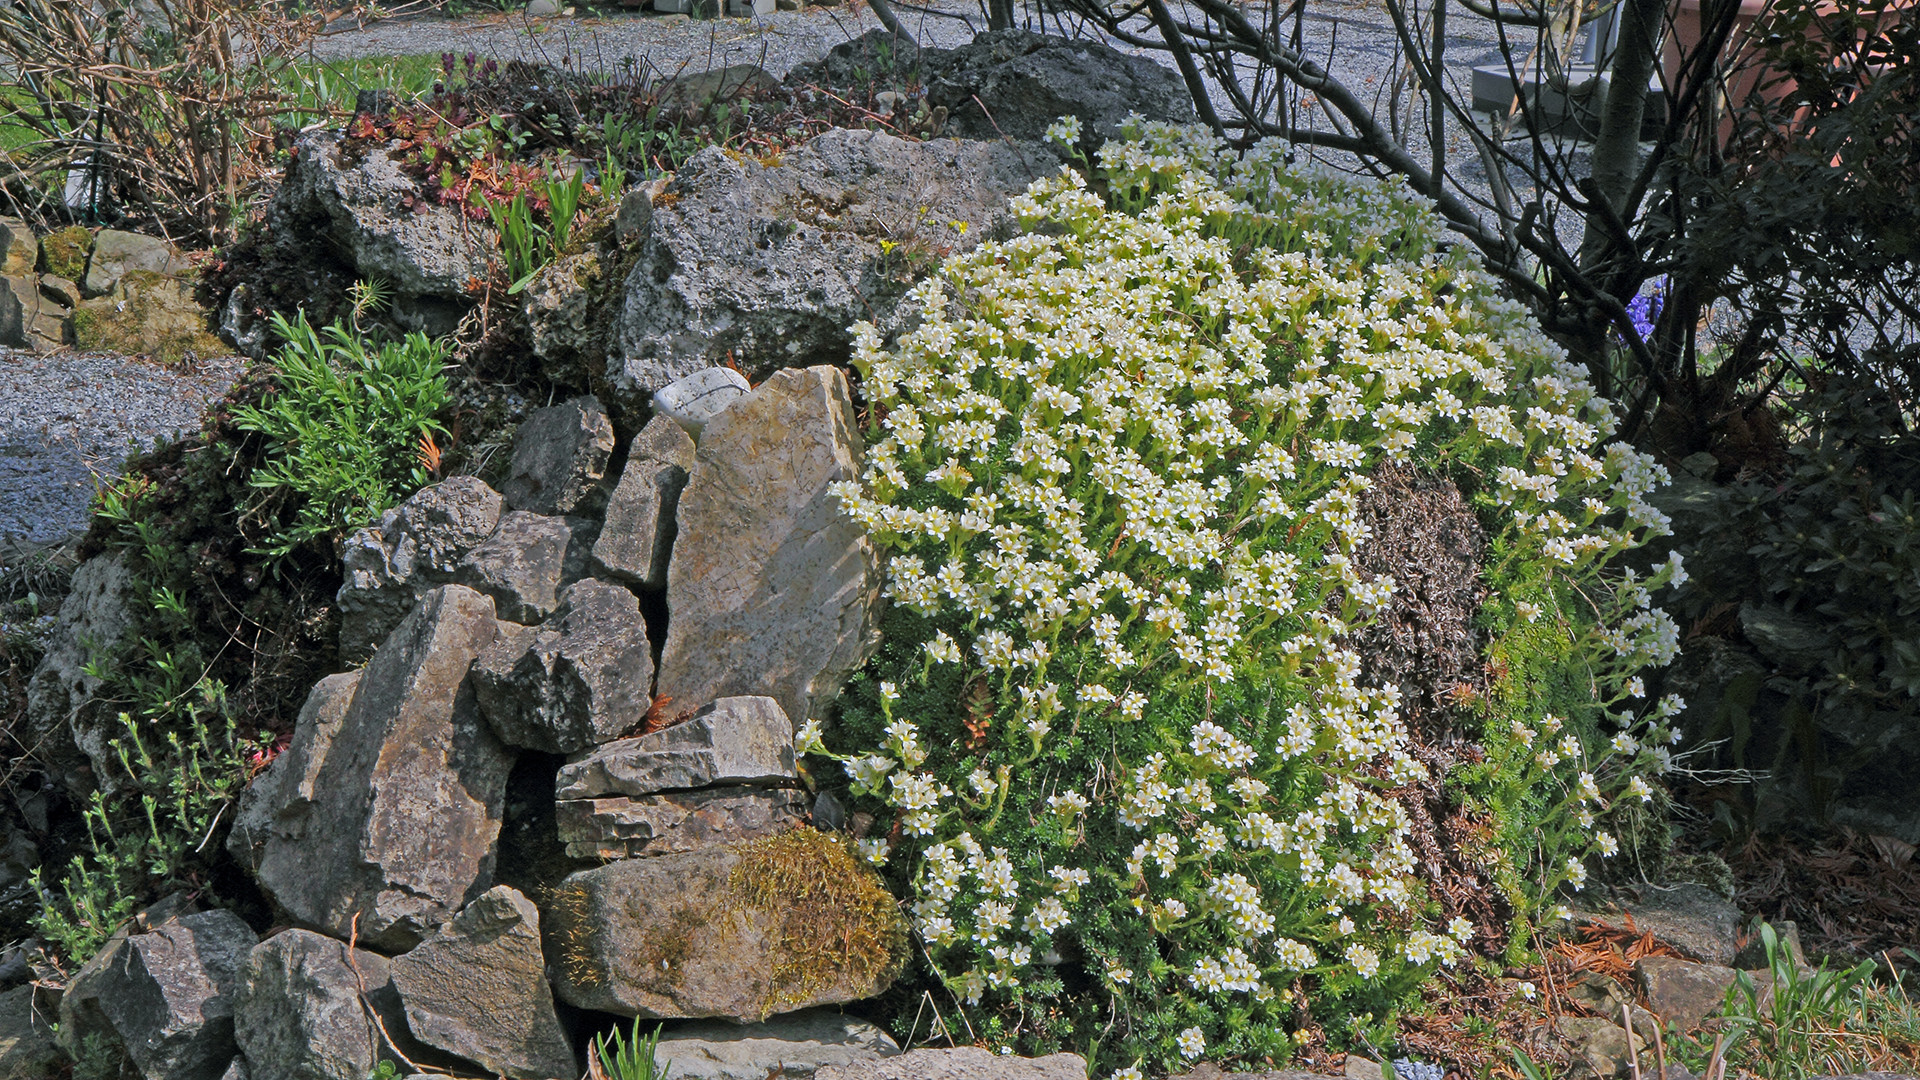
point(1116, 738)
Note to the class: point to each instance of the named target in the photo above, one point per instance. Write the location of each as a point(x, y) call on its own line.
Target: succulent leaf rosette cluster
point(1118, 737)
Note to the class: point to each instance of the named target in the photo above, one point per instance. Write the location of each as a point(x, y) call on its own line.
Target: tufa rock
point(361, 204)
point(167, 996)
point(561, 329)
point(772, 589)
point(738, 740)
point(287, 787)
point(478, 990)
point(771, 264)
point(520, 566)
point(619, 827)
point(1682, 993)
point(637, 535)
point(559, 458)
point(1025, 81)
point(960, 1063)
point(70, 730)
point(791, 1047)
point(692, 400)
point(299, 1012)
point(116, 254)
point(416, 546)
point(771, 925)
point(398, 826)
point(581, 679)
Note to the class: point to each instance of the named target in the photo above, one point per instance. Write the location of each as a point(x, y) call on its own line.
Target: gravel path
point(69, 417)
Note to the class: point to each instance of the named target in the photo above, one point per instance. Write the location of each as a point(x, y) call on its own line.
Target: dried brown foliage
point(171, 99)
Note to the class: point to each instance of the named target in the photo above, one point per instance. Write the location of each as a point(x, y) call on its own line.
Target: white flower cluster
point(1124, 438)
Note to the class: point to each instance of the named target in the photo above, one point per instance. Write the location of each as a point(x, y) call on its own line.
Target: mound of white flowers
point(1145, 804)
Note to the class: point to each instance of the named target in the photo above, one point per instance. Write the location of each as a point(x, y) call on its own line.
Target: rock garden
point(936, 566)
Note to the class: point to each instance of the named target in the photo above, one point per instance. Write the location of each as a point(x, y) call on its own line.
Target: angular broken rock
point(478, 990)
point(416, 546)
point(559, 457)
point(166, 995)
point(740, 932)
point(772, 589)
point(1694, 919)
point(739, 740)
point(960, 1063)
point(637, 536)
point(788, 1047)
point(27, 1048)
point(398, 823)
point(580, 679)
point(693, 400)
point(288, 782)
point(521, 565)
point(619, 827)
point(299, 1012)
point(65, 720)
point(1680, 992)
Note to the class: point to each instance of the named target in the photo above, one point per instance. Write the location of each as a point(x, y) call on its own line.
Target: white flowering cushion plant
point(1117, 736)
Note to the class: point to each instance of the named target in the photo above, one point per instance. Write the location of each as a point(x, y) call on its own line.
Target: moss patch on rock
point(63, 252)
point(147, 314)
point(836, 922)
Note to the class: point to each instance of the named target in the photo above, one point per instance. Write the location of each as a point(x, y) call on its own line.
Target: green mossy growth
point(63, 252)
point(833, 920)
point(147, 314)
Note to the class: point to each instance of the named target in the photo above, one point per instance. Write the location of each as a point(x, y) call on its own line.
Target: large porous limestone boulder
point(478, 990)
point(397, 826)
point(772, 589)
point(789, 1047)
point(1015, 83)
point(636, 537)
point(771, 264)
point(310, 1008)
point(417, 545)
point(68, 726)
point(740, 932)
point(355, 198)
point(166, 995)
point(582, 678)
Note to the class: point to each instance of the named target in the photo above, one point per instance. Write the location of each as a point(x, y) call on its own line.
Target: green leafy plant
point(345, 428)
point(630, 1058)
point(1119, 725)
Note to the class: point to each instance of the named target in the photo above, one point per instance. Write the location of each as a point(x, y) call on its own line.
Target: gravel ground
point(70, 417)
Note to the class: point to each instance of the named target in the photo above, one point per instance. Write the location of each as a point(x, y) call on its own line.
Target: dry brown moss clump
point(835, 922)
